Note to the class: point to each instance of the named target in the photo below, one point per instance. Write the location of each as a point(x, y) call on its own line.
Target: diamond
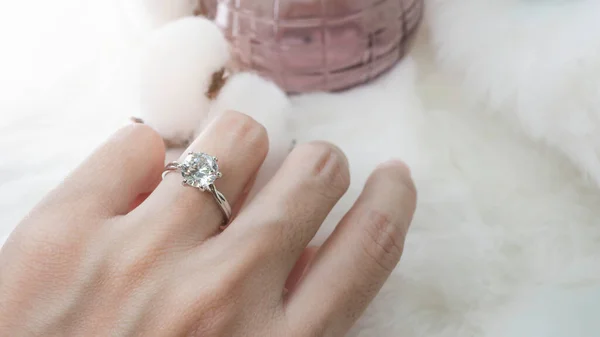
point(200, 170)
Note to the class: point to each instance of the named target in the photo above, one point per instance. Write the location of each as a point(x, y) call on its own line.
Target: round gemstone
point(200, 170)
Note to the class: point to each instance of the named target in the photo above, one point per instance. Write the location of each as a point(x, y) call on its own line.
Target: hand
point(115, 251)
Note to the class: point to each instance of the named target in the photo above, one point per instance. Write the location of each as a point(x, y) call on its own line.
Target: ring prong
point(219, 174)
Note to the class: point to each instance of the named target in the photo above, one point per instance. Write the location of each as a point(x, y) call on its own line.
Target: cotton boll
point(177, 68)
point(268, 104)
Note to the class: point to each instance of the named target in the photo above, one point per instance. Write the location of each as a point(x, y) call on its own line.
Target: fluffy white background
point(506, 240)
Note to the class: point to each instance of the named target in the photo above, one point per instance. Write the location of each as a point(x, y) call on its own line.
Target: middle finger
point(286, 214)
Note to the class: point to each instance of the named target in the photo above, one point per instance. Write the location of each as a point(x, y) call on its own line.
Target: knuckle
point(42, 251)
point(48, 247)
point(410, 190)
point(209, 306)
point(400, 176)
point(132, 264)
point(259, 140)
point(244, 128)
point(214, 299)
point(216, 294)
point(384, 239)
point(146, 135)
point(328, 164)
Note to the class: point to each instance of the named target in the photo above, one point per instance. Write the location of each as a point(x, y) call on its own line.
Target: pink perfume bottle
point(316, 45)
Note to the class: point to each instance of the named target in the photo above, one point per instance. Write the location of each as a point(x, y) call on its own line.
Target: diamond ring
point(200, 170)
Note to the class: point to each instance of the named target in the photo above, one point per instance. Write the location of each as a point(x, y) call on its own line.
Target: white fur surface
point(536, 63)
point(506, 239)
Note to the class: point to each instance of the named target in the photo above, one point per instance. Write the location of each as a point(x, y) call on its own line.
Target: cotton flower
point(179, 61)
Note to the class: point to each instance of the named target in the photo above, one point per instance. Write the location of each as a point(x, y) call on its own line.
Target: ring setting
point(201, 170)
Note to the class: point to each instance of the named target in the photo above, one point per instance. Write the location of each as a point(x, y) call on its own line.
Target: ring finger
point(240, 144)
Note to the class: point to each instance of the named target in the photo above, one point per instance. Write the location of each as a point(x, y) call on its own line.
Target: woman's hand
point(115, 251)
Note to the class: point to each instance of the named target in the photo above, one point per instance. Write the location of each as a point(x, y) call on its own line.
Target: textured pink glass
point(316, 45)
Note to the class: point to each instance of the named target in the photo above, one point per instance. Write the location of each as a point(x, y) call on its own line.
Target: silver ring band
point(200, 170)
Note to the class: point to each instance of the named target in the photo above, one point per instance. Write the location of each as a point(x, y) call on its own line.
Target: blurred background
point(67, 79)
